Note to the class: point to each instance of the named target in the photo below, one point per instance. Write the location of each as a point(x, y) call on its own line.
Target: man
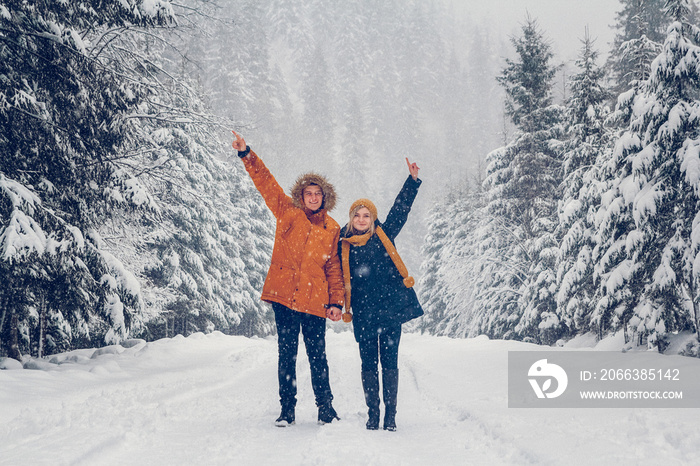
point(304, 282)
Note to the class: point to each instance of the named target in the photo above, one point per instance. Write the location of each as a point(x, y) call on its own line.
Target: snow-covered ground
point(212, 399)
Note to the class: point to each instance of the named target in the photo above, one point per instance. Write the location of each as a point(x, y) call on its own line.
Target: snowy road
point(212, 400)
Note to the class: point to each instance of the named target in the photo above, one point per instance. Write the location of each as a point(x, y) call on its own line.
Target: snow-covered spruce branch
point(17, 46)
point(510, 233)
point(94, 59)
point(40, 118)
point(51, 37)
point(518, 272)
point(117, 34)
point(114, 160)
point(140, 169)
point(198, 12)
point(179, 116)
point(580, 170)
point(494, 298)
point(159, 172)
point(79, 76)
point(146, 65)
point(160, 118)
point(164, 175)
point(42, 35)
point(198, 116)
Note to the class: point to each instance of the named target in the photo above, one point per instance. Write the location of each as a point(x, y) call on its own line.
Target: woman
point(379, 292)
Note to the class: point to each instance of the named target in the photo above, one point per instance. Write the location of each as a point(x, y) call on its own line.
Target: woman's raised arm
point(398, 214)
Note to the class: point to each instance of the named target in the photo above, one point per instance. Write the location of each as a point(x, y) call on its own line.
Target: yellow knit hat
point(365, 203)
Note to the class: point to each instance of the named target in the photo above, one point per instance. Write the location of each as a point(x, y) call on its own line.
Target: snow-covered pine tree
point(203, 253)
point(641, 26)
point(444, 291)
point(523, 182)
point(652, 289)
point(431, 284)
point(63, 123)
point(470, 284)
point(587, 141)
point(613, 218)
point(210, 245)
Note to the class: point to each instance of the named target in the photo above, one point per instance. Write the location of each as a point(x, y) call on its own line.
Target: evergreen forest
point(561, 199)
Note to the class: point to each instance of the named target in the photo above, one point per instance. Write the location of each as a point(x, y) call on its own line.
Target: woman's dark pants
point(382, 346)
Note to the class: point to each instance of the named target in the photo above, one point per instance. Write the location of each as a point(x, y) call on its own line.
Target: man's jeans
point(313, 329)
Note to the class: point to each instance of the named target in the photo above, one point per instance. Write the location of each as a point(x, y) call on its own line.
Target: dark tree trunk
point(14, 339)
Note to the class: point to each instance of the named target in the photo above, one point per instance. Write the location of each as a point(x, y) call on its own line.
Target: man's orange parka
point(305, 272)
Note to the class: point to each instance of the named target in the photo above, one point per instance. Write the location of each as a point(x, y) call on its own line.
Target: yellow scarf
point(361, 240)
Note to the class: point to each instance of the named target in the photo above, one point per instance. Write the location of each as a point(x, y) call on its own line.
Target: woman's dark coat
point(379, 296)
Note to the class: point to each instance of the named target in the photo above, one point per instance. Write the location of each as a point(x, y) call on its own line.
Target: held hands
point(239, 143)
point(413, 168)
point(333, 313)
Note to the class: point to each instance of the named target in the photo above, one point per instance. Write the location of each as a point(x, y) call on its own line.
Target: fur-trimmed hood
point(329, 196)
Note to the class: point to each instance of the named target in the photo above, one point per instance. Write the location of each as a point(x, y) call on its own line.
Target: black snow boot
point(390, 383)
point(326, 413)
point(370, 384)
point(286, 416)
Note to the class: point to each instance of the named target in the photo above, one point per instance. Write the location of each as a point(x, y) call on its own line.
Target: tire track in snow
point(443, 408)
point(125, 413)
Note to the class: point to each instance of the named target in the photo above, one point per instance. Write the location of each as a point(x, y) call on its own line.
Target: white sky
point(562, 21)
